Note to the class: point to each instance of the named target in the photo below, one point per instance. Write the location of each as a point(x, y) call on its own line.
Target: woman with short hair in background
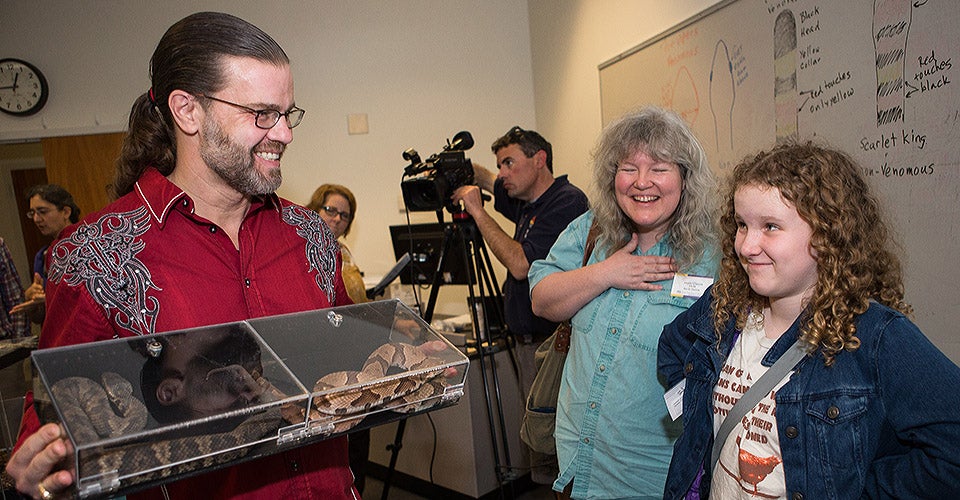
point(52, 209)
point(338, 208)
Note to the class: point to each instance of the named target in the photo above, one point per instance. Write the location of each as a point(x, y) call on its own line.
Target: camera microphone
point(461, 142)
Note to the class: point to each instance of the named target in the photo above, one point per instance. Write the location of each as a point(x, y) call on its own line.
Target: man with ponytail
point(198, 237)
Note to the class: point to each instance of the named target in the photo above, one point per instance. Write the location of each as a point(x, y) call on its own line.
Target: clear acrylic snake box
point(146, 410)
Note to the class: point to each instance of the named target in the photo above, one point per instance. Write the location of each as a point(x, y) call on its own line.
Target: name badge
point(689, 285)
point(674, 399)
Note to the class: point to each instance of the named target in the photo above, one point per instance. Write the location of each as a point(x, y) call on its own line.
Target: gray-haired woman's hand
point(626, 271)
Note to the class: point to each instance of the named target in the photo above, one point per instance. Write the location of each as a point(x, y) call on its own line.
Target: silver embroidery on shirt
point(321, 247)
point(102, 256)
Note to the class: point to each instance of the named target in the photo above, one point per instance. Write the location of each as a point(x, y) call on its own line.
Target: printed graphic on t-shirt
point(750, 461)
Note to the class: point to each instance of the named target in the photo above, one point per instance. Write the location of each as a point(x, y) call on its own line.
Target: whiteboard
point(875, 78)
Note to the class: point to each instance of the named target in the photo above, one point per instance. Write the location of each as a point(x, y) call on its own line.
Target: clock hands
point(14, 86)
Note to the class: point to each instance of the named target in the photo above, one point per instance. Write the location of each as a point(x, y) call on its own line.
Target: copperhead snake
point(108, 408)
point(367, 389)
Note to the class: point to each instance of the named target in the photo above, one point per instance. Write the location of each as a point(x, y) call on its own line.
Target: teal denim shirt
point(613, 432)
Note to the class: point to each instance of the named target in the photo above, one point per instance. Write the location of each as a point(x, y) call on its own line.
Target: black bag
point(540, 413)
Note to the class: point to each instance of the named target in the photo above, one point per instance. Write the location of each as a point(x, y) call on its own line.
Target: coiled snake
point(367, 390)
point(97, 411)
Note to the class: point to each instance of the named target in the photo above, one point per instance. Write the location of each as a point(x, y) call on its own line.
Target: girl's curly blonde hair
point(850, 237)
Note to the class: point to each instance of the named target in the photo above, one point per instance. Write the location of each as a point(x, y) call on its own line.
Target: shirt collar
point(551, 190)
point(160, 196)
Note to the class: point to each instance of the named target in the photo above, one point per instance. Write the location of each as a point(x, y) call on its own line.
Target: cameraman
point(540, 206)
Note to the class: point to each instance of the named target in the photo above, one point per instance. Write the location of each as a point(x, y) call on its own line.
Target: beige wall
point(569, 40)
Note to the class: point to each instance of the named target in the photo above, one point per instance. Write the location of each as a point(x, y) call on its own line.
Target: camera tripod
point(490, 334)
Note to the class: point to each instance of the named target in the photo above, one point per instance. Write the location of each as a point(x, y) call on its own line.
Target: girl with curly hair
point(871, 409)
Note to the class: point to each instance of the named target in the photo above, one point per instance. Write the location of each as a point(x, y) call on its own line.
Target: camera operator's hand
point(470, 196)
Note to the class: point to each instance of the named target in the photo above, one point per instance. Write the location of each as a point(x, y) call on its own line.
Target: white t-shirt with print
point(750, 464)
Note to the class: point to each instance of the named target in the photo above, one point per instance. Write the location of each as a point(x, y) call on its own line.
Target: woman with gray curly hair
point(653, 217)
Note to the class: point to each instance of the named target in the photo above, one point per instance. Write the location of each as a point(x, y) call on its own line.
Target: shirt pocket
point(660, 308)
point(837, 420)
point(585, 318)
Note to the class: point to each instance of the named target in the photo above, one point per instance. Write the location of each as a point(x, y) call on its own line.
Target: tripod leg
point(479, 254)
point(427, 315)
point(495, 288)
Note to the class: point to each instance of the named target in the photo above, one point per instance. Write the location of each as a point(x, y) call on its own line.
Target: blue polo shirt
point(538, 224)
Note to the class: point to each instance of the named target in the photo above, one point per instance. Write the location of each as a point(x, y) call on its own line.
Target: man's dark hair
point(189, 58)
point(57, 196)
point(529, 141)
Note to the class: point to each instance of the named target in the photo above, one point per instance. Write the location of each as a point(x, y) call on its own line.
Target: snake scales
point(108, 411)
point(367, 390)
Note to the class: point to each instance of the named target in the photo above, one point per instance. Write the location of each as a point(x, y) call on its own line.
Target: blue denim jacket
point(881, 422)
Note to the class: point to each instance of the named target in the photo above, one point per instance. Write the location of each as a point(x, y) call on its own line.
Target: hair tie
point(153, 102)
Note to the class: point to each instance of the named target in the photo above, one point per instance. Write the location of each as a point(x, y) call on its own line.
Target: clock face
point(23, 88)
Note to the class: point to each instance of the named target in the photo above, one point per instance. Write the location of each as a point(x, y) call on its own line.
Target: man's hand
point(470, 196)
point(34, 294)
point(626, 271)
point(34, 463)
point(35, 290)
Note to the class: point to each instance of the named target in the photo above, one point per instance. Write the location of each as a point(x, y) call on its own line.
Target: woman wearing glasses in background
point(52, 209)
point(337, 207)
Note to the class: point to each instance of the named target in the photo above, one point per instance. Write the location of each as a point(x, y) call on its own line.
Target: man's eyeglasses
point(42, 212)
point(333, 212)
point(266, 118)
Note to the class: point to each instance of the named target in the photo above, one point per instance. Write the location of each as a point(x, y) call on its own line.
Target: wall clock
point(23, 88)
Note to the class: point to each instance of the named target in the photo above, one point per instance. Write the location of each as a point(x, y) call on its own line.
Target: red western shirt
point(147, 263)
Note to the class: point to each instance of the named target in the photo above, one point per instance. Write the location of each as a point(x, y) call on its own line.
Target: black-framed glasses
point(266, 118)
point(333, 212)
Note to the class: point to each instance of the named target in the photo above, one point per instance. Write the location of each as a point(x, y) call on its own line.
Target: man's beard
point(235, 164)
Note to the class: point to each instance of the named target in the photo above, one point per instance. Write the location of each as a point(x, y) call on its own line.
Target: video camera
point(427, 185)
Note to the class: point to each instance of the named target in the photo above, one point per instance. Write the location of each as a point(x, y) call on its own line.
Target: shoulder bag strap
point(561, 342)
point(591, 241)
point(757, 391)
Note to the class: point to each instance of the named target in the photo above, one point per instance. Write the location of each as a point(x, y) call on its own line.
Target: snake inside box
point(146, 410)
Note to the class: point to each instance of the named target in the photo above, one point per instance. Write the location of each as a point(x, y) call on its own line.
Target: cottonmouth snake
point(107, 411)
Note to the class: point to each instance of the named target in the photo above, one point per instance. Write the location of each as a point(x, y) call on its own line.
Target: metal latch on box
point(304, 431)
point(99, 484)
point(451, 394)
